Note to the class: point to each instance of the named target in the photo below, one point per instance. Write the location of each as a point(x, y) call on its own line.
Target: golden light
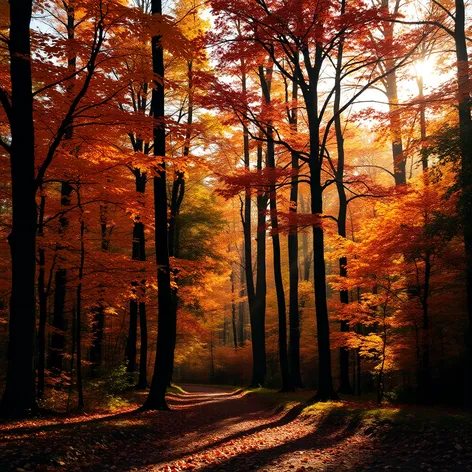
point(424, 68)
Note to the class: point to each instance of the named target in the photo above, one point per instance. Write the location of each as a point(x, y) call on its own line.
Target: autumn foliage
point(288, 182)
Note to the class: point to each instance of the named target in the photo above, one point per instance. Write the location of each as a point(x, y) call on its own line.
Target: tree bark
point(241, 308)
point(131, 342)
point(138, 253)
point(78, 329)
point(287, 386)
point(294, 314)
point(307, 256)
point(325, 384)
point(258, 309)
point(178, 192)
point(233, 310)
point(256, 294)
point(20, 393)
point(345, 382)
point(142, 380)
point(166, 320)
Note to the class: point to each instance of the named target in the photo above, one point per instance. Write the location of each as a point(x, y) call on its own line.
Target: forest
point(233, 202)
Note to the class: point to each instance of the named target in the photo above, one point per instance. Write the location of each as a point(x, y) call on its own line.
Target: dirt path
point(214, 429)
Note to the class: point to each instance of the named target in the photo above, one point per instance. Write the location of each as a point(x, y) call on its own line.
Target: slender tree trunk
point(58, 338)
point(132, 335)
point(138, 253)
point(306, 254)
point(166, 324)
point(241, 308)
point(256, 295)
point(425, 369)
point(56, 347)
point(420, 83)
point(325, 384)
point(20, 393)
point(345, 383)
point(178, 192)
point(233, 310)
point(260, 302)
point(78, 329)
point(72, 356)
point(137, 304)
point(142, 381)
point(380, 379)
point(98, 325)
point(425, 373)
point(359, 372)
point(287, 386)
point(399, 160)
point(294, 314)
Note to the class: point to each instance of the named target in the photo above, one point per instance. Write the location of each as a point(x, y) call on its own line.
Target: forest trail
point(222, 429)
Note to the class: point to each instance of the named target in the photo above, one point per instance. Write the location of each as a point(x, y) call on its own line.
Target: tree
point(20, 392)
point(265, 77)
point(166, 316)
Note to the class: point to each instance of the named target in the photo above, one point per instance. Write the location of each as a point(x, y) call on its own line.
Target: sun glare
point(424, 68)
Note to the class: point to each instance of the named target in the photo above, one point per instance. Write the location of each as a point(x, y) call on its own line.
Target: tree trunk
point(294, 314)
point(399, 161)
point(325, 384)
point(258, 309)
point(465, 143)
point(178, 192)
point(287, 386)
point(166, 323)
point(78, 329)
point(132, 336)
point(256, 295)
point(98, 324)
point(241, 308)
point(58, 338)
point(138, 253)
point(345, 382)
point(233, 310)
point(307, 256)
point(425, 373)
point(20, 392)
point(142, 381)
point(420, 83)
point(56, 347)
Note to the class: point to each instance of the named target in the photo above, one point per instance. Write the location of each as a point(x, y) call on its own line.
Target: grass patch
point(282, 399)
point(364, 413)
point(176, 389)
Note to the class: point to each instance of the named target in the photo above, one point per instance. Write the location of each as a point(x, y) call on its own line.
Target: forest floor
point(222, 429)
